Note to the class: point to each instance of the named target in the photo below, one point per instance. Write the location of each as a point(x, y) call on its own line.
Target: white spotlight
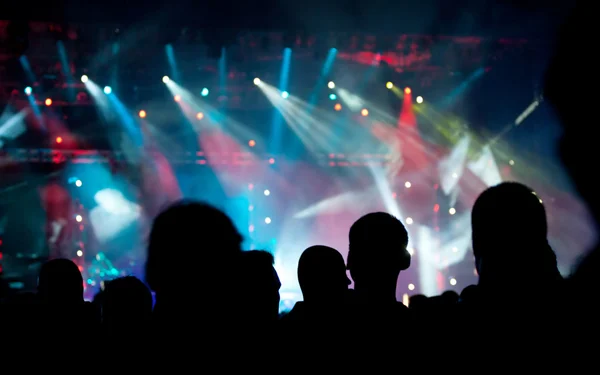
point(285, 94)
point(84, 78)
point(407, 184)
point(452, 211)
point(419, 99)
point(267, 193)
point(409, 220)
point(166, 79)
point(331, 85)
point(257, 81)
point(267, 220)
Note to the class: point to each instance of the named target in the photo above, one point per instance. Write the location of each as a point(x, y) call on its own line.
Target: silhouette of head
point(127, 302)
point(192, 245)
point(259, 285)
point(60, 282)
point(377, 252)
point(509, 232)
point(322, 275)
point(565, 76)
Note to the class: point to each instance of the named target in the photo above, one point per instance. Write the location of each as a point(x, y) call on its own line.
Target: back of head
point(126, 301)
point(190, 246)
point(60, 282)
point(259, 284)
point(509, 232)
point(377, 250)
point(322, 274)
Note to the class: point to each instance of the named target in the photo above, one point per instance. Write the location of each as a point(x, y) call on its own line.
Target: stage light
point(257, 81)
point(59, 140)
point(436, 207)
point(452, 281)
point(407, 91)
point(452, 211)
point(409, 220)
point(364, 112)
point(511, 162)
point(332, 97)
point(285, 94)
point(407, 184)
point(84, 78)
point(166, 79)
point(337, 107)
point(48, 102)
point(78, 183)
point(177, 98)
point(267, 193)
point(142, 114)
point(252, 143)
point(199, 115)
point(419, 99)
point(271, 161)
point(78, 218)
point(331, 85)
point(79, 253)
point(204, 92)
point(267, 220)
point(411, 286)
point(28, 90)
point(389, 85)
point(107, 90)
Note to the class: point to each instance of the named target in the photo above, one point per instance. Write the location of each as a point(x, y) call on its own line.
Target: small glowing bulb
point(78, 218)
point(267, 193)
point(364, 112)
point(452, 211)
point(407, 184)
point(78, 183)
point(177, 98)
point(28, 90)
point(267, 220)
point(48, 102)
point(166, 79)
point(271, 161)
point(337, 107)
point(84, 78)
point(285, 94)
point(252, 143)
point(511, 162)
point(107, 90)
point(407, 91)
point(389, 85)
point(331, 85)
point(452, 281)
point(59, 139)
point(199, 115)
point(204, 92)
point(79, 253)
point(419, 99)
point(411, 286)
point(409, 220)
point(257, 81)
point(142, 114)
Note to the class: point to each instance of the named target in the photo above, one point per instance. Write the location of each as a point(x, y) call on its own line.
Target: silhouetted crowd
point(217, 306)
